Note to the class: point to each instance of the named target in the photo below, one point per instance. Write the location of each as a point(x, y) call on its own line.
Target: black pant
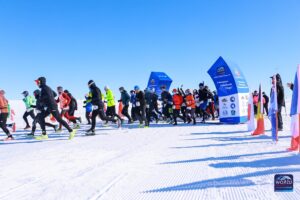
point(26, 114)
point(87, 116)
point(156, 109)
point(100, 112)
point(266, 107)
point(166, 110)
point(150, 112)
point(71, 111)
point(38, 118)
point(125, 112)
point(176, 114)
point(3, 119)
point(57, 116)
point(190, 114)
point(133, 111)
point(211, 110)
point(140, 113)
point(183, 109)
point(111, 111)
point(279, 117)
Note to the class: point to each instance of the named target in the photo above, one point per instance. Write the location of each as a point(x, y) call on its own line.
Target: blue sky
point(118, 43)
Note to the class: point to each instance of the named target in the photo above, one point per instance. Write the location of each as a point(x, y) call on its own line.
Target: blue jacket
point(133, 99)
point(88, 106)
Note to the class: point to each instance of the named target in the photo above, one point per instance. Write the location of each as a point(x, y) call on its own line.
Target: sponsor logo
point(283, 182)
point(225, 113)
point(232, 106)
point(224, 100)
point(221, 70)
point(232, 99)
point(233, 112)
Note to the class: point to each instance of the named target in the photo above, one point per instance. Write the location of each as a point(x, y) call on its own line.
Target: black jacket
point(125, 98)
point(205, 94)
point(96, 98)
point(47, 97)
point(140, 97)
point(166, 97)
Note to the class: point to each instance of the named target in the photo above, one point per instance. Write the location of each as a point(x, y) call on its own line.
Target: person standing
point(28, 101)
point(125, 99)
point(48, 101)
point(280, 100)
point(255, 101)
point(4, 115)
point(266, 103)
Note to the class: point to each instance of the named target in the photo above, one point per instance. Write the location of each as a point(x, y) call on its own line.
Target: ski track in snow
point(163, 162)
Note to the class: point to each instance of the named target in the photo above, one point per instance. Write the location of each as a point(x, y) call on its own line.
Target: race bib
point(147, 106)
point(95, 107)
point(138, 104)
point(29, 109)
point(174, 107)
point(66, 108)
point(189, 108)
point(38, 111)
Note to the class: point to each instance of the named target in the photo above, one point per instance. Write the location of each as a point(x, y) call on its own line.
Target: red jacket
point(177, 101)
point(63, 100)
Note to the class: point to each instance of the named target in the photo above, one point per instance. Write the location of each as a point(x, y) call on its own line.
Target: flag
point(295, 112)
point(251, 124)
point(273, 110)
point(260, 129)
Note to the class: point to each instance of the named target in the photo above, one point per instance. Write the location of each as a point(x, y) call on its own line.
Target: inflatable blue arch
point(233, 91)
point(158, 79)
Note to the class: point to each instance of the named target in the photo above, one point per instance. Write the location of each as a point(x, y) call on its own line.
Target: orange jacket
point(190, 101)
point(3, 104)
point(177, 101)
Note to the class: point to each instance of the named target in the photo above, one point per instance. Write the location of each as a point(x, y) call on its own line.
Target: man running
point(28, 101)
point(98, 107)
point(47, 99)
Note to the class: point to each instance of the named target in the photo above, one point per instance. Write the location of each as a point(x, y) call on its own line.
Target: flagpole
point(298, 133)
point(276, 126)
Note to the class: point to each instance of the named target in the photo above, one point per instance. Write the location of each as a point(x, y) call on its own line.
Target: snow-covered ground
point(163, 162)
